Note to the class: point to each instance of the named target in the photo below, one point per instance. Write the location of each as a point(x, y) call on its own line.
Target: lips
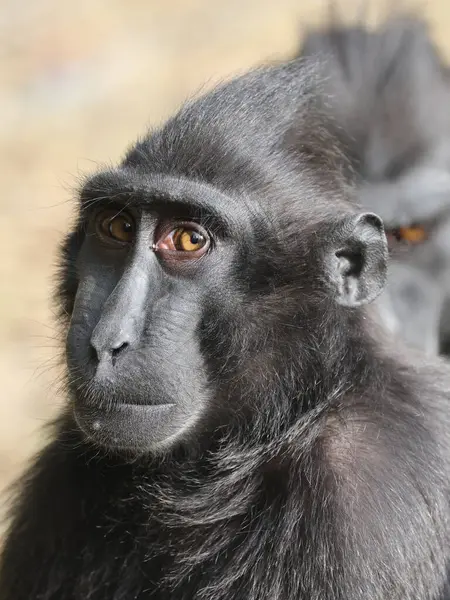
point(136, 427)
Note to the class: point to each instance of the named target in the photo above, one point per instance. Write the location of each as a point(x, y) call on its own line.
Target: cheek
point(441, 243)
point(170, 347)
point(221, 340)
point(411, 306)
point(433, 256)
point(171, 356)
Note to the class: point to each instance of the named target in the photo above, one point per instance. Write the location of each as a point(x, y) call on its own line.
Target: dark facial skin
point(145, 273)
point(390, 92)
point(237, 426)
point(140, 327)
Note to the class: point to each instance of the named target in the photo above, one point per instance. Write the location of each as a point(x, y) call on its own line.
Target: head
point(390, 95)
point(193, 290)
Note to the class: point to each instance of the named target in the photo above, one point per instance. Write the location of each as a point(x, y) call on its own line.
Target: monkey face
point(173, 291)
point(414, 307)
point(146, 275)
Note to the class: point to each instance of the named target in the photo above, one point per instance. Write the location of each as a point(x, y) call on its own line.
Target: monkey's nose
point(122, 321)
point(108, 352)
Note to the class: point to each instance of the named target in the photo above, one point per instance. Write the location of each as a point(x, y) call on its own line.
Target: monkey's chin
point(131, 428)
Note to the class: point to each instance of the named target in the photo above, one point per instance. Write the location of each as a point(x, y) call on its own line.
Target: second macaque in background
point(390, 96)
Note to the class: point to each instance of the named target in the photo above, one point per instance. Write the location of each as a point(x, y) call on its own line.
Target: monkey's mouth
point(134, 427)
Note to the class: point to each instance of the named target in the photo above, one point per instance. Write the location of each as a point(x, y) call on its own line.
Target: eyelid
point(115, 211)
point(164, 228)
point(213, 224)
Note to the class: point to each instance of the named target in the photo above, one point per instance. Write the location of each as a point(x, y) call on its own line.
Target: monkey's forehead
point(155, 192)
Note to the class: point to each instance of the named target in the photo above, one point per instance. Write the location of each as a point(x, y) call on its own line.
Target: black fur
point(318, 467)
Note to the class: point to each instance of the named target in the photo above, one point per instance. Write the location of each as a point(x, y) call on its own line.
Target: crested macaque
point(390, 93)
point(238, 424)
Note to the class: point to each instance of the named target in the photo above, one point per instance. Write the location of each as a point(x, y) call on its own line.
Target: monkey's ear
point(359, 259)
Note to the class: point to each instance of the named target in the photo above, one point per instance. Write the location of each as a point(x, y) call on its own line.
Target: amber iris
point(415, 234)
point(117, 226)
point(188, 240)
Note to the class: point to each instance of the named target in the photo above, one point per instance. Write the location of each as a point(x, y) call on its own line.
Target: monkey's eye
point(187, 239)
point(118, 226)
point(413, 235)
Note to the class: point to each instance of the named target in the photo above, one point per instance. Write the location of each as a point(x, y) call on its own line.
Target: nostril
point(93, 355)
point(105, 352)
point(116, 351)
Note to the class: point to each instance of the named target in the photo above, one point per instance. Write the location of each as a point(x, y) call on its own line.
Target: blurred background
point(79, 81)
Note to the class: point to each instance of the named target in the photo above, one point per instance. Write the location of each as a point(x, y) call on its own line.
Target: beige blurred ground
point(79, 80)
